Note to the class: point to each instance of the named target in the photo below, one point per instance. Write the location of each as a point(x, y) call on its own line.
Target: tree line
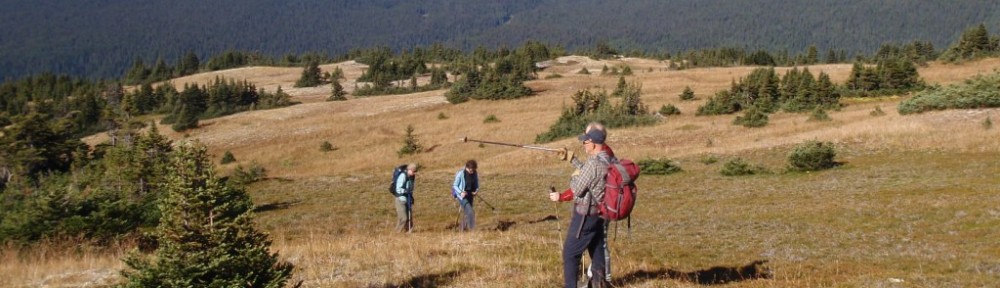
point(85, 44)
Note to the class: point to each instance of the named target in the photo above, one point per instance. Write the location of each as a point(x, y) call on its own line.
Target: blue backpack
point(395, 175)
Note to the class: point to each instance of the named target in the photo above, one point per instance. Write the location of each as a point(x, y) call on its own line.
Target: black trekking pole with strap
point(556, 204)
point(458, 220)
point(607, 255)
point(487, 203)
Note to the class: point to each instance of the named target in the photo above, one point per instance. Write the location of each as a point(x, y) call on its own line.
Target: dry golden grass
point(913, 201)
point(63, 264)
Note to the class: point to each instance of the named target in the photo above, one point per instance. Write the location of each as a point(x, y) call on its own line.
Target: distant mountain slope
point(102, 37)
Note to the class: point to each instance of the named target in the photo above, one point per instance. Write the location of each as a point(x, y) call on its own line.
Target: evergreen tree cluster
point(219, 98)
point(917, 52)
point(890, 76)
point(76, 104)
point(974, 43)
point(206, 236)
point(589, 106)
point(386, 72)
point(311, 76)
point(98, 195)
point(762, 90)
point(735, 56)
point(497, 75)
point(161, 71)
point(384, 67)
point(189, 63)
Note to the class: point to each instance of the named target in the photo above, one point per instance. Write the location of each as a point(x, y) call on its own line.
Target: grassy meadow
point(912, 203)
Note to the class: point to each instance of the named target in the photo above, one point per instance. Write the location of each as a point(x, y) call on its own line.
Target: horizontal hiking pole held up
point(557, 150)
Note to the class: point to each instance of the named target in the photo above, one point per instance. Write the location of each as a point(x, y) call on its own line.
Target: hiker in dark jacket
point(404, 199)
point(587, 230)
point(464, 189)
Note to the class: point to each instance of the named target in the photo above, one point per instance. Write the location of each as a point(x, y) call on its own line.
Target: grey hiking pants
point(468, 221)
point(404, 216)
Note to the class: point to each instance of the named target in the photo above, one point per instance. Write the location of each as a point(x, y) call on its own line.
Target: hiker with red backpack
point(598, 197)
point(587, 229)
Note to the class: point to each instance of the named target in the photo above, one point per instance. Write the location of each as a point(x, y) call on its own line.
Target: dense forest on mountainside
point(103, 38)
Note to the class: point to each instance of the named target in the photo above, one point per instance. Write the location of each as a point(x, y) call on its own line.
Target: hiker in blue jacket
point(464, 189)
point(404, 199)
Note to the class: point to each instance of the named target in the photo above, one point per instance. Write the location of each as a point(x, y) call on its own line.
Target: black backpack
point(395, 175)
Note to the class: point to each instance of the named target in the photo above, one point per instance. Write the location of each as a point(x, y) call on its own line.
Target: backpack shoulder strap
point(621, 170)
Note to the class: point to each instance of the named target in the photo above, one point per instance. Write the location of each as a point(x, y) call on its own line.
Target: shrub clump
point(326, 146)
point(812, 156)
point(752, 118)
point(658, 166)
point(978, 92)
point(739, 167)
point(877, 112)
point(819, 114)
point(709, 159)
point(669, 109)
point(228, 158)
point(687, 95)
point(491, 119)
point(244, 176)
point(596, 107)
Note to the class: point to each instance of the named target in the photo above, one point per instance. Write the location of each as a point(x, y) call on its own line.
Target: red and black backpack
point(619, 191)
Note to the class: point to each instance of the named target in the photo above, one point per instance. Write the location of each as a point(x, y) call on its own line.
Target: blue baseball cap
point(595, 136)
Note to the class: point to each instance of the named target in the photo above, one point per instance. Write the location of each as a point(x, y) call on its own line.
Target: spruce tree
point(688, 94)
point(160, 71)
point(438, 77)
point(812, 55)
point(206, 236)
point(831, 56)
point(138, 73)
point(310, 75)
point(187, 65)
point(410, 144)
point(227, 158)
point(620, 87)
point(337, 92)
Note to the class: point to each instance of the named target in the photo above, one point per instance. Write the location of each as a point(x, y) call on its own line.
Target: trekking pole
point(458, 220)
point(487, 203)
point(556, 205)
point(557, 150)
point(607, 255)
point(410, 229)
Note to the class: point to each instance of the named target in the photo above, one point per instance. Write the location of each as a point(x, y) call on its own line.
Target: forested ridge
point(102, 38)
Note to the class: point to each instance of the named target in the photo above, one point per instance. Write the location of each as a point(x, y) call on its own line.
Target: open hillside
point(912, 203)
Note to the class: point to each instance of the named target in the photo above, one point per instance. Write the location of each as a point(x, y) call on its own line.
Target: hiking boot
point(598, 283)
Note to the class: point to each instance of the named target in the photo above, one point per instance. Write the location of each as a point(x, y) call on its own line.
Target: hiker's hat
point(594, 135)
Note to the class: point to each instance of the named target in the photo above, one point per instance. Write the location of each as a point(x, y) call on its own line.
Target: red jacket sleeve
point(566, 195)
